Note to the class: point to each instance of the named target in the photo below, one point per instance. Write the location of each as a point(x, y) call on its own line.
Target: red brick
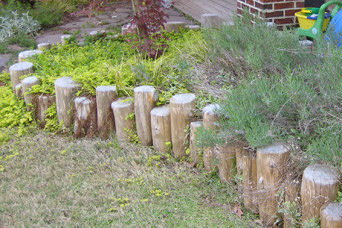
point(263, 6)
point(285, 5)
point(291, 12)
point(282, 21)
point(253, 10)
point(268, 1)
point(239, 5)
point(250, 2)
point(299, 4)
point(239, 11)
point(274, 14)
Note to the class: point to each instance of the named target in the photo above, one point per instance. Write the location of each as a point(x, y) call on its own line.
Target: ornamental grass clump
point(285, 92)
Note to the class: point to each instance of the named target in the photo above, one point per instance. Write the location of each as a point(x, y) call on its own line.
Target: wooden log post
point(105, 96)
point(195, 152)
point(19, 90)
point(240, 152)
point(19, 69)
point(331, 216)
point(210, 119)
point(24, 55)
point(44, 102)
point(161, 129)
point(182, 107)
point(249, 173)
point(174, 26)
point(145, 98)
point(271, 171)
point(65, 90)
point(85, 121)
point(319, 186)
point(30, 99)
point(122, 110)
point(209, 20)
point(292, 195)
point(44, 46)
point(226, 162)
point(65, 38)
point(193, 27)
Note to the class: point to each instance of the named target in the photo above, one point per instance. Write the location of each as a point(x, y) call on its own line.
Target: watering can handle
point(321, 12)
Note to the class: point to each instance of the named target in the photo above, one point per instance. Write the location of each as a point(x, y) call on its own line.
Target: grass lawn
point(49, 180)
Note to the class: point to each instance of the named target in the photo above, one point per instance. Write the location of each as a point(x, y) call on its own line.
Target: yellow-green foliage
point(12, 110)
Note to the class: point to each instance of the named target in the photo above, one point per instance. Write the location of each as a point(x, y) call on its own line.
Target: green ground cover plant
point(285, 92)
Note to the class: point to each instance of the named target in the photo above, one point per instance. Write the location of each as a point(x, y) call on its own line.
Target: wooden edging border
point(265, 173)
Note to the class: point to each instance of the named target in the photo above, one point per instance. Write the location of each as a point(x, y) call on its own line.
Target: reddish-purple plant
point(149, 20)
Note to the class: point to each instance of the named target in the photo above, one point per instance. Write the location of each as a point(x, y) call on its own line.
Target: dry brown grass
point(59, 181)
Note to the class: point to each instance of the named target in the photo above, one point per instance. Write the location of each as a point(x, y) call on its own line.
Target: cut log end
point(105, 95)
point(277, 148)
point(319, 186)
point(184, 98)
point(161, 128)
point(122, 108)
point(174, 26)
point(28, 54)
point(65, 89)
point(85, 122)
point(44, 46)
point(144, 101)
point(331, 216)
point(19, 69)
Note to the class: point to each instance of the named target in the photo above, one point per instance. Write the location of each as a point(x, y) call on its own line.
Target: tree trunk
point(145, 98)
point(85, 121)
point(182, 107)
point(319, 186)
point(161, 128)
point(105, 96)
point(195, 152)
point(19, 69)
point(331, 216)
point(65, 89)
point(271, 171)
point(122, 110)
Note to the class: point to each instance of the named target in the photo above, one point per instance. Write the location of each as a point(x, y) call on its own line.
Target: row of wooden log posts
point(264, 172)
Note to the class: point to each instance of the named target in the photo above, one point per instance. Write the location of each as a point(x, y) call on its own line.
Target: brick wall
point(280, 12)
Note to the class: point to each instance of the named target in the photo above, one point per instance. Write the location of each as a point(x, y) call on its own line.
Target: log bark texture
point(292, 195)
point(122, 109)
point(249, 173)
point(30, 99)
point(226, 162)
point(85, 121)
point(182, 107)
point(331, 216)
point(161, 128)
point(24, 55)
point(19, 69)
point(319, 186)
point(271, 171)
point(210, 122)
point(65, 89)
point(44, 102)
point(145, 98)
point(19, 90)
point(195, 152)
point(105, 96)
